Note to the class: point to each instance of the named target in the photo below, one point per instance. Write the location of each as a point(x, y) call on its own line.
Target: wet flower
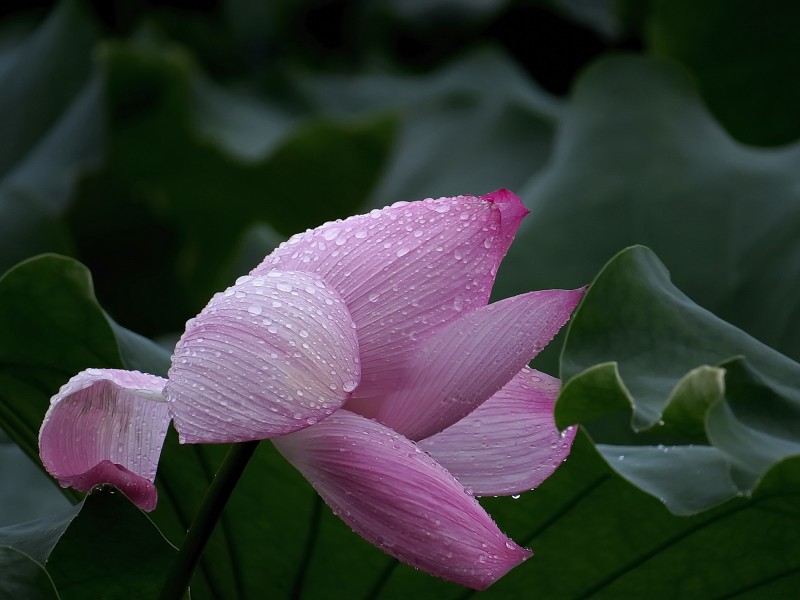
point(366, 350)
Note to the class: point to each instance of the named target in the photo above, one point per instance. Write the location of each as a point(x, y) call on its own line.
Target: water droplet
point(374, 297)
point(349, 386)
point(402, 252)
point(284, 286)
point(330, 233)
point(255, 309)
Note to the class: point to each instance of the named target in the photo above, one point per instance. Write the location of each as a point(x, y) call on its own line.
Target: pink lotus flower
point(366, 350)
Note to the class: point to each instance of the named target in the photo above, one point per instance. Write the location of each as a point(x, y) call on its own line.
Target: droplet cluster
point(267, 356)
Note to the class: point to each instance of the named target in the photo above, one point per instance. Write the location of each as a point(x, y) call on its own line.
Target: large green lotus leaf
point(51, 130)
point(110, 550)
point(686, 406)
point(639, 160)
point(103, 547)
point(745, 59)
point(190, 168)
point(49, 69)
point(25, 492)
point(592, 532)
point(24, 550)
point(470, 127)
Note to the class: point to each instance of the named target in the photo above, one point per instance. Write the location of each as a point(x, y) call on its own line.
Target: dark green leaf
point(638, 159)
point(59, 135)
point(26, 493)
point(52, 329)
point(24, 549)
point(688, 407)
point(745, 57)
point(111, 550)
point(472, 127)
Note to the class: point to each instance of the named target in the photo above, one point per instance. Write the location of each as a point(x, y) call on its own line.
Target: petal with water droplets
point(268, 356)
point(400, 499)
point(510, 443)
point(470, 359)
point(107, 426)
point(406, 270)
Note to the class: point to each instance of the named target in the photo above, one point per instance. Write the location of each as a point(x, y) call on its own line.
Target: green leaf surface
point(110, 551)
point(470, 127)
point(215, 164)
point(686, 406)
point(639, 160)
point(25, 492)
point(745, 57)
point(52, 329)
point(24, 550)
point(51, 127)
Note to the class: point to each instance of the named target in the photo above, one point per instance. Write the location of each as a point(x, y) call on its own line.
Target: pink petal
point(400, 499)
point(140, 491)
point(107, 426)
point(406, 270)
point(469, 360)
point(266, 357)
point(510, 443)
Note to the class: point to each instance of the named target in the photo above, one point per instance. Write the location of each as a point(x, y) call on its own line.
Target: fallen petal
point(400, 499)
point(268, 356)
point(107, 426)
point(406, 270)
point(510, 443)
point(469, 360)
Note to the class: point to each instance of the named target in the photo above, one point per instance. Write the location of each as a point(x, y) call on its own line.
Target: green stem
point(206, 519)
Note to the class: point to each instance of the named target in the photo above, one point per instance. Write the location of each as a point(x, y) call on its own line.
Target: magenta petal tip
point(139, 490)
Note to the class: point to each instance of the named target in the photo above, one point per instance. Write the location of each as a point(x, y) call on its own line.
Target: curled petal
point(510, 443)
point(469, 360)
point(406, 270)
point(400, 499)
point(107, 426)
point(268, 356)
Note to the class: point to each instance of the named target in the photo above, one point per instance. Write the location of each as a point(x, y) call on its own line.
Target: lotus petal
point(268, 356)
point(469, 360)
point(107, 426)
point(510, 443)
point(400, 499)
point(406, 270)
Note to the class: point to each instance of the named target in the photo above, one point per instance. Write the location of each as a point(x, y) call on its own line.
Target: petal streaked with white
point(469, 360)
point(510, 443)
point(406, 270)
point(268, 356)
point(401, 500)
point(107, 426)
